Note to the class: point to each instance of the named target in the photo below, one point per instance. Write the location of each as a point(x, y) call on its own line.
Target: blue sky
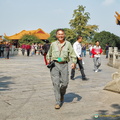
point(18, 15)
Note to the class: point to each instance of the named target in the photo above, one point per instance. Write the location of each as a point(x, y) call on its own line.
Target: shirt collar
point(78, 42)
point(60, 43)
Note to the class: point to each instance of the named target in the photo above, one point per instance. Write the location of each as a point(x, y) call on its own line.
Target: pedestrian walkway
point(26, 92)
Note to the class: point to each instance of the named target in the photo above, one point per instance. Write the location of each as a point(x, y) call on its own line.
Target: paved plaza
point(26, 92)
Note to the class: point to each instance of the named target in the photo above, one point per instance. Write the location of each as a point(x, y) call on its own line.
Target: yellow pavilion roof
point(1, 38)
point(38, 33)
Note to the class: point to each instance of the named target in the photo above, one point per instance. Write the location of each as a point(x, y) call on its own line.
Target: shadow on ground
point(5, 82)
point(78, 77)
point(105, 115)
point(69, 97)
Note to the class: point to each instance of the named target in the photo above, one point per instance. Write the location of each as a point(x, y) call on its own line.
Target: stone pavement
point(26, 92)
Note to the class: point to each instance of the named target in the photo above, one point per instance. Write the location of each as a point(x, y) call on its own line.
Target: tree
point(70, 35)
point(52, 37)
point(29, 39)
point(107, 37)
point(79, 23)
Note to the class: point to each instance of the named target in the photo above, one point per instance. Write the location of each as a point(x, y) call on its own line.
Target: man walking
point(7, 49)
point(107, 50)
point(59, 52)
point(78, 50)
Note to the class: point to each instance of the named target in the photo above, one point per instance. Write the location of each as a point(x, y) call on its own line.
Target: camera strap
point(60, 48)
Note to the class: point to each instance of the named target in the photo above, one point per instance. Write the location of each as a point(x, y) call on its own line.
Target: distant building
point(38, 33)
point(1, 38)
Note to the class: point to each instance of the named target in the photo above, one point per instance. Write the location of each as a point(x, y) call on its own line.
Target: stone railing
point(20, 52)
point(114, 57)
point(114, 61)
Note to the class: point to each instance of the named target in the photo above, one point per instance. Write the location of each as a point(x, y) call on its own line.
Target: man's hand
point(98, 53)
point(73, 65)
point(48, 61)
point(79, 58)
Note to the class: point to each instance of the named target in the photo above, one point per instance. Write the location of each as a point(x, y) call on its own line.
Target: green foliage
point(52, 37)
point(79, 23)
point(70, 35)
point(107, 37)
point(29, 39)
point(78, 27)
point(80, 19)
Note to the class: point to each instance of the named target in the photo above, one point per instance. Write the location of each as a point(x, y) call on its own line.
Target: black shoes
point(85, 78)
point(72, 78)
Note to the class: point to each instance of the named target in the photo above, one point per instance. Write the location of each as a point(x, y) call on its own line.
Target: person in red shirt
point(23, 47)
point(28, 48)
point(96, 51)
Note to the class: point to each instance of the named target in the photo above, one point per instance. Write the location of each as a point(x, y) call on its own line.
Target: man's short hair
point(79, 36)
point(97, 41)
point(60, 29)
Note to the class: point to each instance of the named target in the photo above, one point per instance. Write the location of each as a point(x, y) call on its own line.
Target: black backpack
point(46, 47)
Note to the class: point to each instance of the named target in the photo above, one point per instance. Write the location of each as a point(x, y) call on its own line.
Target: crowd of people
point(56, 57)
point(31, 49)
point(34, 48)
point(5, 48)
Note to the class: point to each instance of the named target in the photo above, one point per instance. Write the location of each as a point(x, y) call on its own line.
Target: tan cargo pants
point(60, 79)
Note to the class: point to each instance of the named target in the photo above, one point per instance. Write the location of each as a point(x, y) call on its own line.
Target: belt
point(61, 62)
